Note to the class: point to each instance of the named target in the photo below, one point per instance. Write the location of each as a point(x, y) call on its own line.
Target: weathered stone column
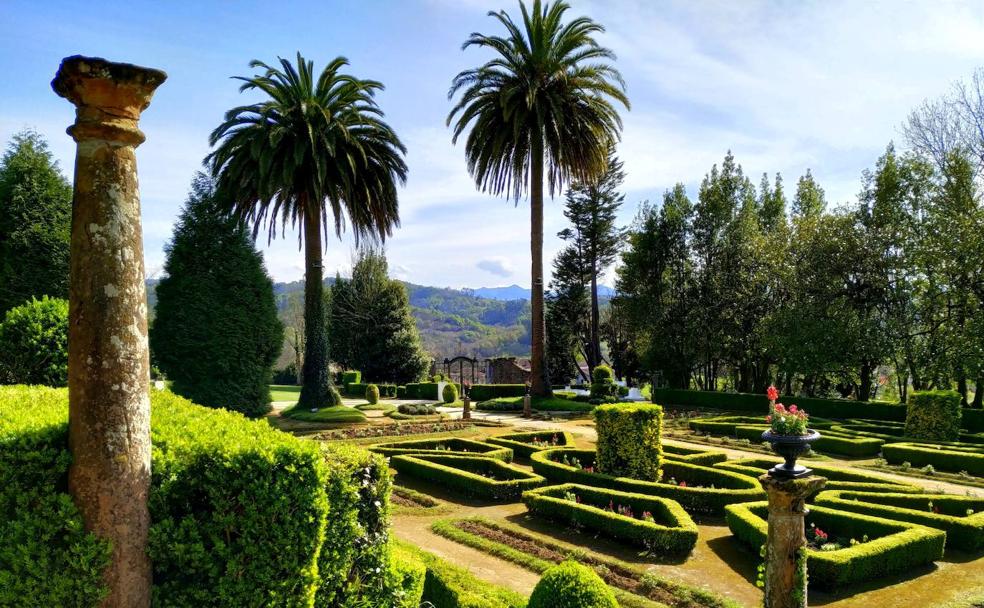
point(527, 406)
point(785, 572)
point(466, 408)
point(108, 357)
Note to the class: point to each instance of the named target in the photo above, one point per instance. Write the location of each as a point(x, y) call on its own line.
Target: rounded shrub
point(34, 343)
point(372, 394)
point(603, 385)
point(450, 393)
point(602, 374)
point(571, 585)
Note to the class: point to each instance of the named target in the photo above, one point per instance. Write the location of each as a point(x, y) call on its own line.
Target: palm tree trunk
point(539, 378)
point(316, 389)
point(595, 322)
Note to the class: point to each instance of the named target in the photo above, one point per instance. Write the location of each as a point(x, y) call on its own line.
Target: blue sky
point(786, 85)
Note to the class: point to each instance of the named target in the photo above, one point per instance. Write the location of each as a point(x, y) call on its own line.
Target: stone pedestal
point(465, 408)
point(785, 569)
point(108, 356)
point(527, 407)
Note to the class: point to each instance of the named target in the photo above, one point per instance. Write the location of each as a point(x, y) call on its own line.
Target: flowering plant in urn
point(790, 421)
point(789, 435)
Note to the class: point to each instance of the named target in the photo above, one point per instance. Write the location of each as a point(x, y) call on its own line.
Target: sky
point(786, 85)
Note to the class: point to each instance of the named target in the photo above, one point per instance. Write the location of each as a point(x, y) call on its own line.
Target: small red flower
point(792, 409)
point(772, 393)
point(683, 484)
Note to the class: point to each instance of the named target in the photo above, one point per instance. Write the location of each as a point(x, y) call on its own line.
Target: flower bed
point(697, 456)
point(837, 478)
point(946, 458)
point(704, 489)
point(961, 517)
point(659, 524)
point(452, 446)
point(469, 475)
point(524, 444)
point(893, 547)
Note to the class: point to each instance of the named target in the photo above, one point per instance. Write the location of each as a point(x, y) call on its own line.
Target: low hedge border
point(522, 443)
point(965, 532)
point(837, 478)
point(455, 447)
point(463, 474)
point(704, 458)
point(671, 533)
point(729, 487)
point(484, 392)
point(896, 548)
point(892, 433)
point(449, 586)
point(829, 441)
point(945, 458)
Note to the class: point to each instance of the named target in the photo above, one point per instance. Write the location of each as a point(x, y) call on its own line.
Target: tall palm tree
point(544, 101)
point(312, 146)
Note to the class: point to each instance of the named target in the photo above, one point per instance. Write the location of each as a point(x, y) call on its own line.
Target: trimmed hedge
point(837, 478)
point(452, 446)
point(372, 394)
point(933, 415)
point(945, 512)
point(758, 403)
point(450, 393)
point(704, 458)
point(429, 391)
point(729, 487)
point(830, 441)
point(629, 439)
point(671, 533)
point(894, 547)
point(522, 444)
point(468, 475)
point(945, 458)
point(449, 586)
point(571, 585)
point(351, 377)
point(407, 574)
point(484, 392)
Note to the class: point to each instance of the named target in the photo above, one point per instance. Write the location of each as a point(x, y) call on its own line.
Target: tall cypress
point(216, 332)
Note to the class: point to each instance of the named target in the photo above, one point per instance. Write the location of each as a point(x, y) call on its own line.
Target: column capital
point(789, 495)
point(109, 97)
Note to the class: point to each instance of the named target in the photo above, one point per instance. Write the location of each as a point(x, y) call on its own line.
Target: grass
point(542, 404)
point(377, 407)
point(284, 392)
point(336, 414)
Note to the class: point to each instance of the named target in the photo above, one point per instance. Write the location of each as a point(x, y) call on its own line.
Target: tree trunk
point(978, 394)
point(316, 390)
point(298, 357)
point(108, 356)
point(539, 374)
point(595, 321)
point(864, 391)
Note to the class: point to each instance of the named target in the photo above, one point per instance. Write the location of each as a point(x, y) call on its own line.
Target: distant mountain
point(515, 292)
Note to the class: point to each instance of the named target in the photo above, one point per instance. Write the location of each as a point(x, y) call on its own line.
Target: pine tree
point(810, 200)
point(371, 327)
point(216, 332)
point(35, 223)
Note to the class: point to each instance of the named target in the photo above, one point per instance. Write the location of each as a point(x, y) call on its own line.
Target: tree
point(810, 200)
point(35, 223)
point(216, 334)
point(591, 209)
point(316, 147)
point(371, 325)
point(34, 343)
point(951, 124)
point(544, 103)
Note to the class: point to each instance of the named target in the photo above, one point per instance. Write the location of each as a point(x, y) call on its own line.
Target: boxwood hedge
point(837, 478)
point(469, 475)
point(671, 532)
point(944, 457)
point(629, 439)
point(484, 392)
point(893, 546)
point(704, 458)
point(933, 415)
point(450, 446)
point(707, 489)
point(829, 441)
point(961, 517)
point(524, 444)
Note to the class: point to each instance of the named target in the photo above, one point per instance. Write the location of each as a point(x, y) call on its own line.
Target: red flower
point(792, 409)
point(772, 393)
point(683, 484)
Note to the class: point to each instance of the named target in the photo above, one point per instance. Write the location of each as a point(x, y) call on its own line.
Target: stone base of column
point(465, 408)
point(527, 407)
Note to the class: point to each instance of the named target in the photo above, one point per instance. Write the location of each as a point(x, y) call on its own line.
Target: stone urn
point(790, 447)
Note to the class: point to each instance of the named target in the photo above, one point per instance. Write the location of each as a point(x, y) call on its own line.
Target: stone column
point(527, 406)
point(785, 574)
point(108, 357)
point(466, 408)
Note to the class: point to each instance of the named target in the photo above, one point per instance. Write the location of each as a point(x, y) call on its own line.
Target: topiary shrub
point(351, 377)
point(372, 394)
point(450, 393)
point(34, 343)
point(933, 415)
point(603, 384)
point(571, 585)
point(629, 440)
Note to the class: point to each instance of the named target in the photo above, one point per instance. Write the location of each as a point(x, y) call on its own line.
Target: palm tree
point(544, 100)
point(311, 147)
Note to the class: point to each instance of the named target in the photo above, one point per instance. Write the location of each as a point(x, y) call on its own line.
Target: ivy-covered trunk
point(316, 389)
point(539, 378)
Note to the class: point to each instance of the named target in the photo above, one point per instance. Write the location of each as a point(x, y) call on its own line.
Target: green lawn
point(339, 413)
point(552, 404)
point(284, 392)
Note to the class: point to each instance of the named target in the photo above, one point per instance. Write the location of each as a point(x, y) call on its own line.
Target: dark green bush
point(524, 444)
point(401, 392)
point(759, 404)
point(933, 415)
point(351, 377)
point(571, 585)
point(894, 547)
point(34, 343)
point(629, 440)
point(451, 446)
point(372, 394)
point(450, 393)
point(944, 458)
point(485, 392)
point(469, 475)
point(417, 409)
point(697, 456)
point(671, 532)
point(603, 384)
point(423, 390)
point(286, 375)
